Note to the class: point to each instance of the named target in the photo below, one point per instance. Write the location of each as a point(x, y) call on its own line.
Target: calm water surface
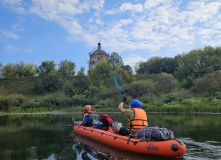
point(27, 137)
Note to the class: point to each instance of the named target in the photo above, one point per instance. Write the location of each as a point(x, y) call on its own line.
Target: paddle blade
point(65, 126)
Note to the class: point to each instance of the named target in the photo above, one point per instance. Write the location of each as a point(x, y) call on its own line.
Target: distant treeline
point(191, 79)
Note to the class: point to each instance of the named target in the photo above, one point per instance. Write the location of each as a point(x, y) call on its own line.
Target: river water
point(38, 136)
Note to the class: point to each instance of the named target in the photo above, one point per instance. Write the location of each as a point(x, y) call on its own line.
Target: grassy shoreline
point(18, 96)
point(99, 111)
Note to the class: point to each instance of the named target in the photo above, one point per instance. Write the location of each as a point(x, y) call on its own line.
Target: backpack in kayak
point(98, 124)
point(88, 119)
point(106, 121)
point(154, 134)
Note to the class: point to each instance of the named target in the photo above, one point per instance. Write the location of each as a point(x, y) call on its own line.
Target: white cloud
point(134, 8)
point(9, 35)
point(12, 2)
point(152, 3)
point(129, 26)
point(29, 50)
point(126, 6)
point(133, 59)
point(15, 5)
point(10, 48)
point(138, 8)
point(99, 22)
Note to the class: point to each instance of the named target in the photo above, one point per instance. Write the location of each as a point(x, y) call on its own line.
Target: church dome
point(99, 51)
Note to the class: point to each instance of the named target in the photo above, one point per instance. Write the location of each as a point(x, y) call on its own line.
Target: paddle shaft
point(120, 89)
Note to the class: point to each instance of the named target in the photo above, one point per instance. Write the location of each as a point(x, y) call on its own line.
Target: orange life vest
point(139, 121)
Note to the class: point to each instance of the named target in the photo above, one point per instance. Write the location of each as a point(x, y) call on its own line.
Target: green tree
point(199, 62)
point(128, 69)
point(79, 85)
point(101, 74)
point(165, 84)
point(187, 82)
point(51, 82)
point(46, 67)
point(81, 72)
point(150, 66)
point(115, 60)
point(20, 69)
point(168, 65)
point(8, 71)
point(210, 84)
point(66, 68)
point(139, 88)
point(81, 82)
point(30, 69)
point(126, 77)
point(1, 67)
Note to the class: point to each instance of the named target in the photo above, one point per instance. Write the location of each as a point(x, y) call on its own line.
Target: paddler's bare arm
point(120, 107)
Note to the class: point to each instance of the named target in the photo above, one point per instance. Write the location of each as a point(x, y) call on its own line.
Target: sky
point(33, 31)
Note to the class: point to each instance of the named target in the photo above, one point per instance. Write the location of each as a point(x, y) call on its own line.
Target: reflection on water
point(202, 150)
point(38, 137)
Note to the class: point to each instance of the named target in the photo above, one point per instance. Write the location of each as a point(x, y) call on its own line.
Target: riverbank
point(100, 112)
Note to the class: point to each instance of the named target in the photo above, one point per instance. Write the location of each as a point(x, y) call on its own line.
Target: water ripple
point(202, 150)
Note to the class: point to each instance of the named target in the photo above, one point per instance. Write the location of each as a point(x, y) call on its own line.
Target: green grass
point(24, 86)
point(200, 104)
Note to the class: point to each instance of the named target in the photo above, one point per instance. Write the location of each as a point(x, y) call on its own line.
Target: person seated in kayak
point(87, 110)
point(137, 118)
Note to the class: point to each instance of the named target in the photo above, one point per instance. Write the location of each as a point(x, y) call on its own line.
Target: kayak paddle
point(120, 89)
point(69, 125)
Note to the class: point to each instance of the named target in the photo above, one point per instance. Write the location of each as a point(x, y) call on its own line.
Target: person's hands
point(124, 100)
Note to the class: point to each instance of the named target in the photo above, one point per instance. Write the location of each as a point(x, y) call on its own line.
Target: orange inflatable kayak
point(102, 151)
point(168, 148)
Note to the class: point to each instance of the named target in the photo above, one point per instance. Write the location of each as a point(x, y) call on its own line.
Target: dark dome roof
point(99, 52)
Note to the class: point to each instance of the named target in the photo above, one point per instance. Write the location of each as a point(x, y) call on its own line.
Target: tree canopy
point(66, 68)
point(46, 67)
point(115, 60)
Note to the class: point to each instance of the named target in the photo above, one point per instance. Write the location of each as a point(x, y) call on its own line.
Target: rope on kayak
point(129, 138)
point(149, 144)
point(115, 137)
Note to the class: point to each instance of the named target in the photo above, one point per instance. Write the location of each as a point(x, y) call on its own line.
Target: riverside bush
point(30, 104)
point(165, 84)
point(109, 103)
point(177, 96)
point(149, 98)
point(17, 99)
point(216, 102)
point(108, 93)
point(210, 83)
point(139, 88)
point(6, 102)
point(191, 102)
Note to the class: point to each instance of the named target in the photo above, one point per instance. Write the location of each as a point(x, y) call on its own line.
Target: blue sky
point(33, 31)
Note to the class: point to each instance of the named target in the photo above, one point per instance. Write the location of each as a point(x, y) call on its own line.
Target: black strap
point(137, 120)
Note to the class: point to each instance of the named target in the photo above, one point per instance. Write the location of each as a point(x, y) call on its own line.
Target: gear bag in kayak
point(88, 119)
point(154, 134)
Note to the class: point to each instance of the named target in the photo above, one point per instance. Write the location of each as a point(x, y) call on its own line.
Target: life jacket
point(139, 121)
point(107, 122)
point(86, 113)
